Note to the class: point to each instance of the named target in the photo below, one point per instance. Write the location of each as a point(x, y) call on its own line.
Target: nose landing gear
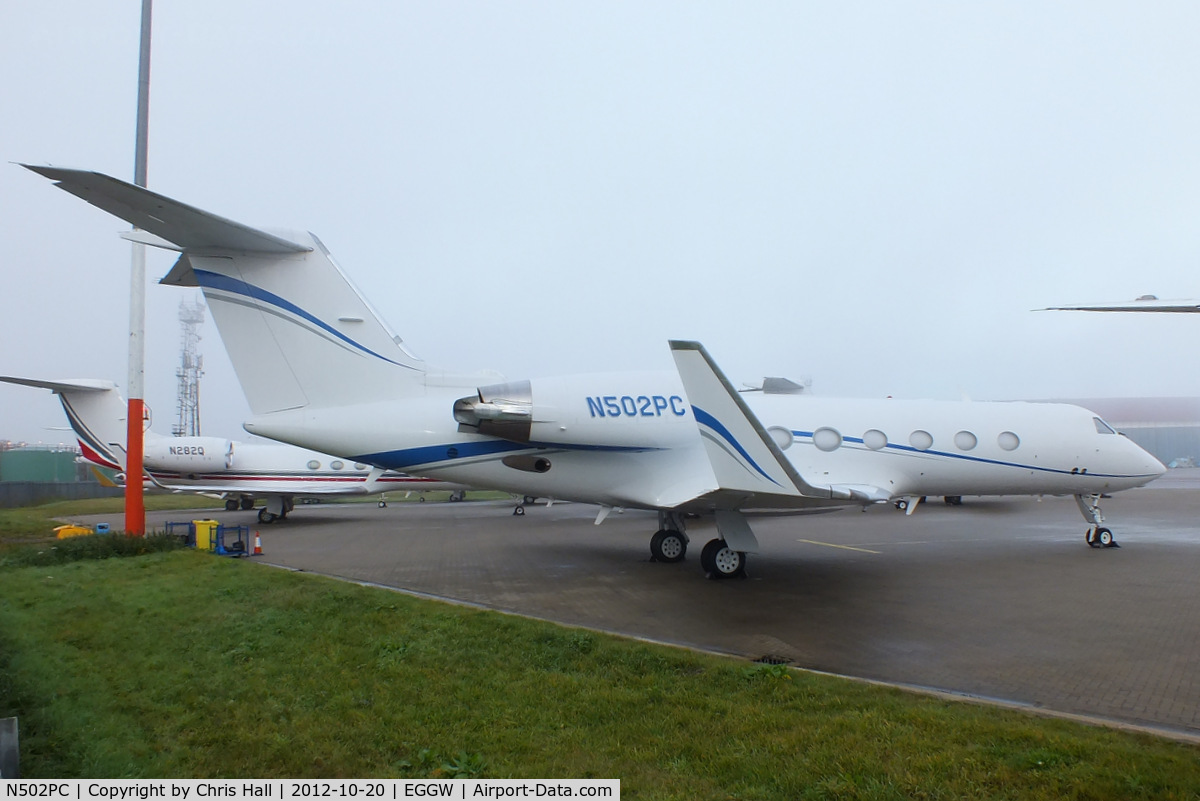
point(1097, 535)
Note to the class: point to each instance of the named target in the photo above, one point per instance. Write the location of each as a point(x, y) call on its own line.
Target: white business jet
point(322, 370)
point(237, 472)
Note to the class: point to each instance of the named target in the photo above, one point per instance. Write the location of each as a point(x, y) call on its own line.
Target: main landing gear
point(720, 561)
point(1097, 535)
point(519, 509)
point(669, 544)
point(277, 508)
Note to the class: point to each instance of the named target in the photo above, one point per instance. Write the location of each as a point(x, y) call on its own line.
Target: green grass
point(36, 523)
point(188, 665)
point(32, 523)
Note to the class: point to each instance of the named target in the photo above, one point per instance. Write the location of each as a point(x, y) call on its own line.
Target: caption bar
point(286, 789)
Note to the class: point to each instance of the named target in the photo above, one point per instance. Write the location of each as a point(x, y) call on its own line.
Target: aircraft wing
point(749, 467)
point(1145, 304)
point(178, 223)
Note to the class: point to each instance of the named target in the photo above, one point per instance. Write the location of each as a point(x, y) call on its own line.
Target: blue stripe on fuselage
point(977, 459)
point(225, 283)
point(440, 456)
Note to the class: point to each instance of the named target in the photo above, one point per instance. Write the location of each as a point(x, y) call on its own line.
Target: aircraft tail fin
point(743, 456)
point(298, 332)
point(97, 414)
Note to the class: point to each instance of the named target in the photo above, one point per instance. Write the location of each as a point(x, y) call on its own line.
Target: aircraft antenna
point(191, 367)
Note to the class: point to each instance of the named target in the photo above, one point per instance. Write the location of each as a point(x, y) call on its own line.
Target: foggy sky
point(873, 195)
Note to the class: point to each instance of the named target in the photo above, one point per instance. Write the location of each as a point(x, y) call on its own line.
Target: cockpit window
point(1103, 427)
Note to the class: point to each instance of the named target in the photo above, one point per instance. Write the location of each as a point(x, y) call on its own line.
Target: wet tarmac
point(997, 599)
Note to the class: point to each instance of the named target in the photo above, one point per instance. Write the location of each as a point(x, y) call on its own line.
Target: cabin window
point(875, 439)
point(1008, 441)
point(1103, 427)
point(966, 441)
point(336, 465)
point(921, 440)
point(782, 436)
point(314, 465)
point(827, 439)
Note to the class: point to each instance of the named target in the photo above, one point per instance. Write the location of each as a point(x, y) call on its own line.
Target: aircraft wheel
point(1103, 538)
point(1090, 536)
point(266, 517)
point(667, 545)
point(720, 561)
point(383, 504)
point(519, 511)
point(247, 504)
point(231, 505)
point(529, 499)
point(901, 506)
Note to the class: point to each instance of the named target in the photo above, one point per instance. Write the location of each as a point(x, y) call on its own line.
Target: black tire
point(383, 504)
point(1090, 537)
point(247, 504)
point(529, 499)
point(266, 517)
point(231, 505)
point(720, 561)
point(668, 545)
point(519, 511)
point(1104, 538)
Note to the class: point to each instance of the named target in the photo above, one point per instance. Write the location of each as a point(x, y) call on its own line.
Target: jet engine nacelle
point(620, 410)
point(189, 454)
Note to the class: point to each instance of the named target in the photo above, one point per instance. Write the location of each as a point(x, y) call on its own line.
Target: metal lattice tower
point(191, 367)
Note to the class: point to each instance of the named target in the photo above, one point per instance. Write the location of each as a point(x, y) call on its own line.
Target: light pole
point(135, 507)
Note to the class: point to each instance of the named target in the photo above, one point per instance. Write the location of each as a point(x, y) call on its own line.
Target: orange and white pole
point(135, 507)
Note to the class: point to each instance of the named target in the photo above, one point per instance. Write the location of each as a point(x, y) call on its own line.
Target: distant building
point(54, 463)
point(1169, 428)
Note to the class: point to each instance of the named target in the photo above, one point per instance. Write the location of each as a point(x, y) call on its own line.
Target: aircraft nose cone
point(1150, 466)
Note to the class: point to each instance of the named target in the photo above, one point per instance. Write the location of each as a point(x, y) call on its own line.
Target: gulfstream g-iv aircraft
point(238, 472)
point(322, 370)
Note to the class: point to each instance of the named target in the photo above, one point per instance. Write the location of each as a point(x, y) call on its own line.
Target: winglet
point(743, 456)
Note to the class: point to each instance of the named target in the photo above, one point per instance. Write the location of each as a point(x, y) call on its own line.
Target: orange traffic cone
point(257, 544)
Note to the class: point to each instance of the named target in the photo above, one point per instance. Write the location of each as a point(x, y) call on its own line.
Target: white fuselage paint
point(268, 469)
point(645, 454)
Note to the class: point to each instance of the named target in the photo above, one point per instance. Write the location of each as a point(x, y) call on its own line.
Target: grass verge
point(188, 665)
point(35, 523)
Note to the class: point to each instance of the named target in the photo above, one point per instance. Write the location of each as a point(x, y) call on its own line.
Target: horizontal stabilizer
point(743, 456)
point(178, 223)
point(63, 385)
